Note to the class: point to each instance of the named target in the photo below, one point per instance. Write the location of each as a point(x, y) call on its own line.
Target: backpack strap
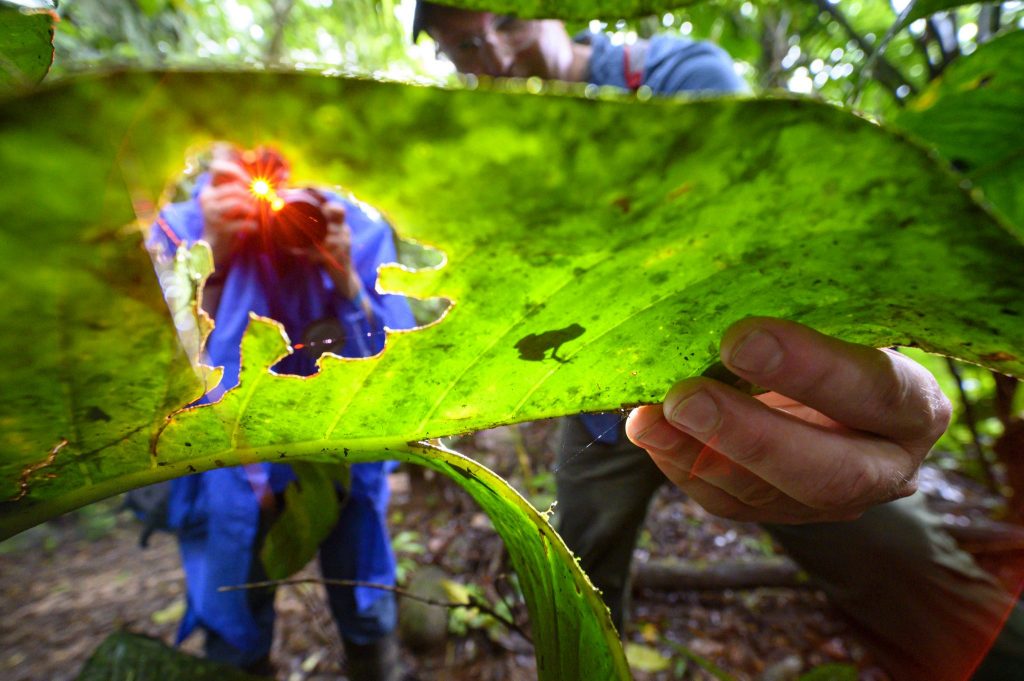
point(633, 57)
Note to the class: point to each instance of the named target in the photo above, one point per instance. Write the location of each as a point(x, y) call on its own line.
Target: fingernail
point(697, 413)
point(659, 436)
point(758, 351)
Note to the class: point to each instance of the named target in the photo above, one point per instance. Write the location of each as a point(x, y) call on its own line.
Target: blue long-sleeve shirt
point(217, 512)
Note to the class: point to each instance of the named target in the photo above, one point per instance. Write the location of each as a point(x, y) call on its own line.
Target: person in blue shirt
point(320, 286)
point(827, 460)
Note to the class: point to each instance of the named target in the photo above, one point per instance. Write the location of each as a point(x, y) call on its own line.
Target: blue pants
point(337, 561)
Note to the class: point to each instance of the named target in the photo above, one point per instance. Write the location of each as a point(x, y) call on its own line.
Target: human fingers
point(832, 469)
point(334, 212)
point(714, 481)
point(682, 458)
point(233, 191)
point(338, 243)
point(786, 510)
point(222, 204)
point(239, 226)
point(877, 391)
point(223, 171)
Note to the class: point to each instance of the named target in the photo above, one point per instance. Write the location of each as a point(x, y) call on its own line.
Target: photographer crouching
point(308, 259)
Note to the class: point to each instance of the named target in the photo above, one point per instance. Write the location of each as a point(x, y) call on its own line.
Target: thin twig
point(474, 601)
point(948, 50)
point(921, 43)
point(888, 75)
point(879, 50)
point(281, 11)
point(971, 420)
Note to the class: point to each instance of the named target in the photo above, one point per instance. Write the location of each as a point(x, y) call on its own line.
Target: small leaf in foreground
point(26, 44)
point(310, 512)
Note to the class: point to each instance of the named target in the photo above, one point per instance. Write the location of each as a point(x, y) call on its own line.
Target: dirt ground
point(66, 585)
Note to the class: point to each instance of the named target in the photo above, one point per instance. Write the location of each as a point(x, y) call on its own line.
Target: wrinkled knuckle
point(721, 505)
point(732, 511)
point(750, 447)
point(807, 379)
point(759, 494)
point(849, 486)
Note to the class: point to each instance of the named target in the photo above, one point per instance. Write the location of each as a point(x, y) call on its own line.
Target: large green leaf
point(973, 114)
point(596, 250)
point(571, 627)
point(26, 44)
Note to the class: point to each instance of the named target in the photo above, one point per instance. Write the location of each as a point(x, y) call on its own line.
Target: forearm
point(346, 283)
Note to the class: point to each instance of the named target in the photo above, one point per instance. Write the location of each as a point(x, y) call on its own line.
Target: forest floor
point(66, 585)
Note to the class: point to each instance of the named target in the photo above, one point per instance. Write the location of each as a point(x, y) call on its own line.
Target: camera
point(294, 219)
point(288, 218)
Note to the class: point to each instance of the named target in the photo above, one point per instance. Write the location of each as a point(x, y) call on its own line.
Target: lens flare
point(261, 188)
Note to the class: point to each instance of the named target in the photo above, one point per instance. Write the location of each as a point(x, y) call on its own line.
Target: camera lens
point(299, 223)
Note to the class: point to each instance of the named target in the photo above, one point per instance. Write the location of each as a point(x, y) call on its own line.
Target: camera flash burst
point(261, 188)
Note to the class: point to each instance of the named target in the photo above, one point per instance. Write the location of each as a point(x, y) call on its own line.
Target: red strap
point(634, 77)
point(168, 231)
point(258, 480)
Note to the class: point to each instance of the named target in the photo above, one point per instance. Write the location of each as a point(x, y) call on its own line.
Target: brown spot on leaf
point(998, 357)
point(684, 188)
point(27, 471)
point(623, 203)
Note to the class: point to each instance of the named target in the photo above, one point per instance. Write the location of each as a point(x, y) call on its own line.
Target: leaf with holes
point(595, 252)
point(595, 249)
